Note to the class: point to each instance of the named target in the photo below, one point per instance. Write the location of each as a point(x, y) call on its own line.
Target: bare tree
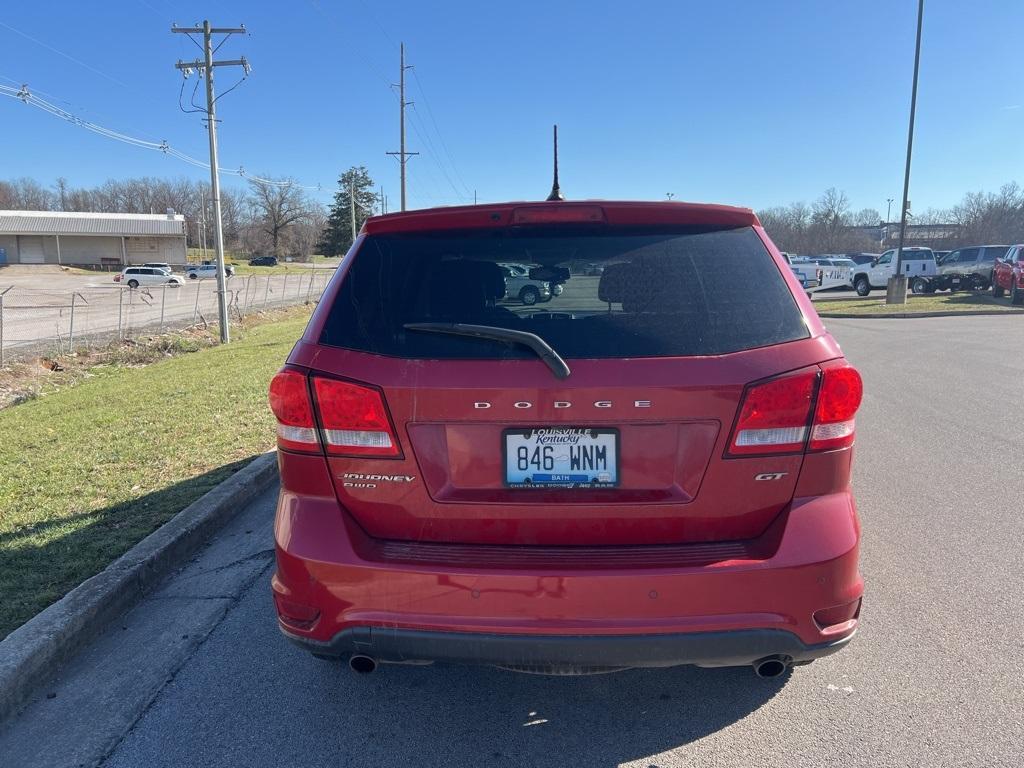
point(867, 217)
point(276, 208)
point(29, 195)
point(830, 216)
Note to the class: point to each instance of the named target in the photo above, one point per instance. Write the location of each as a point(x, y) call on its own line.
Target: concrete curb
point(33, 651)
point(910, 315)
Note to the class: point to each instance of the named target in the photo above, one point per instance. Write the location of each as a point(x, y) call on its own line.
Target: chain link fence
point(36, 321)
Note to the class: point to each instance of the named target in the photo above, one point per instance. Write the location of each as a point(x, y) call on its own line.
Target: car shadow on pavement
point(476, 716)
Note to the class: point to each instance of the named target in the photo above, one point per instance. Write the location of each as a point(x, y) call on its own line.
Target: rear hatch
point(443, 427)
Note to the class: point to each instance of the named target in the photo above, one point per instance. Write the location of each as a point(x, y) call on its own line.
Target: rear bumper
point(338, 591)
point(580, 652)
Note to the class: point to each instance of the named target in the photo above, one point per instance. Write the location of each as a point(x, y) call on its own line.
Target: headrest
point(616, 280)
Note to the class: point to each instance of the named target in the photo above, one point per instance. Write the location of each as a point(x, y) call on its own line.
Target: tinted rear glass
point(992, 253)
point(620, 294)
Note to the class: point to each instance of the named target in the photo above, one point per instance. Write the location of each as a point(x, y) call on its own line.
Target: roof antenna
point(556, 192)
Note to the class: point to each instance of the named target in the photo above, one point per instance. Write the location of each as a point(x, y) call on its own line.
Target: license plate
point(956, 281)
point(562, 457)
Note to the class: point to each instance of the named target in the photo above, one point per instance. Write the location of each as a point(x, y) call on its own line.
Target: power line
point(437, 130)
point(24, 95)
point(67, 56)
point(434, 155)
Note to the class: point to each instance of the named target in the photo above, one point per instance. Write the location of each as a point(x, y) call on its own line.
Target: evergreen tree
point(337, 238)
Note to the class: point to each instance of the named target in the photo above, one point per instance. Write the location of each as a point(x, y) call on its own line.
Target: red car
point(1008, 275)
point(652, 469)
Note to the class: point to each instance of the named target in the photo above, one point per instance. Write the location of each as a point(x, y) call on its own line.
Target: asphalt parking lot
point(199, 675)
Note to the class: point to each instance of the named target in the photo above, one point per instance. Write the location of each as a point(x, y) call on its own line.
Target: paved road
point(201, 677)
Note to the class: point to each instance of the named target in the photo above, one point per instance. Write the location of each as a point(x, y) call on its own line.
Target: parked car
point(159, 265)
point(199, 271)
point(263, 261)
point(519, 285)
point(1008, 275)
point(917, 262)
point(965, 268)
point(133, 277)
point(660, 476)
point(862, 258)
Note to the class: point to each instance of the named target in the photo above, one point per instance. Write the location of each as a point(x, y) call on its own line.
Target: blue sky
point(750, 103)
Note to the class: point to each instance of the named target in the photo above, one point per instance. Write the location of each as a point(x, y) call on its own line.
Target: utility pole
point(403, 156)
point(206, 67)
point(202, 220)
point(352, 206)
point(897, 288)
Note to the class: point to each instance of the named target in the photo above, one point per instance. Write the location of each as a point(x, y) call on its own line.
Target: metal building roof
point(73, 223)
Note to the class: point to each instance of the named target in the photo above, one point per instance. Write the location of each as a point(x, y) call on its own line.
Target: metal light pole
point(888, 210)
point(896, 292)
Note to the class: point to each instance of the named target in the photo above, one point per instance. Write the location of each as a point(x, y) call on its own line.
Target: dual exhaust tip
point(768, 667)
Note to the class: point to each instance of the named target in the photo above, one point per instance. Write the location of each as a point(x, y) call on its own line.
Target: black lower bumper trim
point(706, 649)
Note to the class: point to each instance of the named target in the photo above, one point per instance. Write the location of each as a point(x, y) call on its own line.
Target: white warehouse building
point(91, 239)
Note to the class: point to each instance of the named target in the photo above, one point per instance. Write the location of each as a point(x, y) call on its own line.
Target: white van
point(917, 262)
point(133, 277)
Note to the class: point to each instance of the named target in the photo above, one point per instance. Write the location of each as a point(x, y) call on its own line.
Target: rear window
point(923, 254)
point(991, 253)
point(617, 294)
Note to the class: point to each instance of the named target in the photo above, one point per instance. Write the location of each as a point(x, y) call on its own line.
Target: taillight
point(289, 400)
point(838, 400)
point(354, 420)
point(774, 416)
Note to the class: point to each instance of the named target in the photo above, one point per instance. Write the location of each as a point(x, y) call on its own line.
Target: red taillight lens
point(838, 400)
point(289, 400)
point(354, 420)
point(774, 416)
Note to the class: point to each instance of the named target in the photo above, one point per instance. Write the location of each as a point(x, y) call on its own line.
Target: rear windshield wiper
point(544, 351)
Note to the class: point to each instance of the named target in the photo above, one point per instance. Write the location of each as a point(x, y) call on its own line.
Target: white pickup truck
point(917, 263)
point(808, 273)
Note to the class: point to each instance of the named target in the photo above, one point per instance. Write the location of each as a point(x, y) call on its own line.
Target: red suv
point(1008, 275)
point(651, 469)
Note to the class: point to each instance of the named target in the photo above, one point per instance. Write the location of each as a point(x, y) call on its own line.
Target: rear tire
point(133, 283)
point(862, 286)
point(919, 286)
point(997, 291)
point(529, 295)
point(193, 276)
point(1016, 295)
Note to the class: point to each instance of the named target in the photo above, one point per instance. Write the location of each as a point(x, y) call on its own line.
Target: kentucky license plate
point(562, 457)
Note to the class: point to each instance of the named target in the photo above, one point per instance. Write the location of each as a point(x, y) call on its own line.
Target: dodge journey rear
point(650, 467)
